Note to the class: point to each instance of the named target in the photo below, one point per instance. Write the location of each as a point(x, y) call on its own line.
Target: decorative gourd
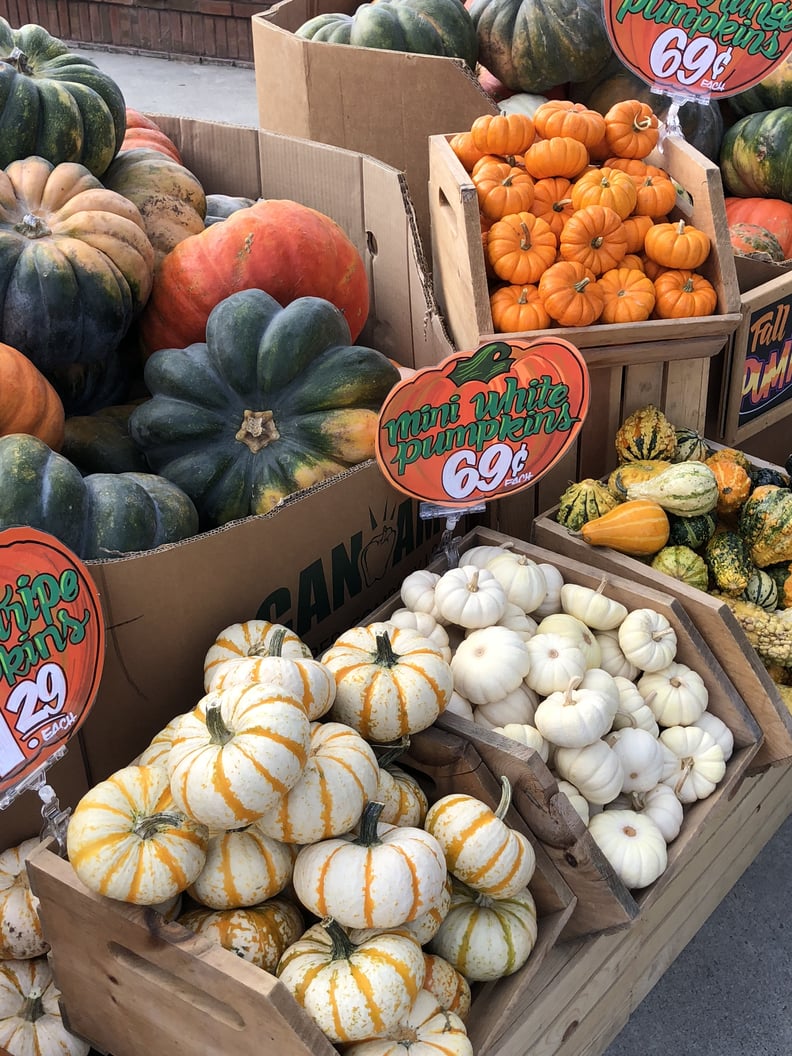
point(381, 878)
point(260, 934)
point(641, 758)
point(470, 596)
point(487, 938)
point(729, 562)
point(29, 404)
point(141, 131)
point(575, 717)
point(690, 446)
point(633, 712)
point(420, 27)
point(353, 991)
point(480, 848)
point(781, 575)
point(595, 770)
point(761, 475)
point(682, 563)
point(170, 198)
point(633, 472)
point(521, 579)
point(660, 804)
point(647, 639)
point(390, 682)
point(762, 590)
point(450, 988)
point(633, 844)
point(531, 47)
point(686, 489)
point(734, 486)
point(30, 1016)
point(748, 171)
point(237, 753)
point(645, 434)
point(766, 526)
point(243, 867)
point(553, 661)
point(56, 104)
point(127, 839)
point(583, 501)
point(638, 527)
point(278, 246)
point(338, 780)
point(693, 532)
point(63, 234)
point(591, 606)
point(276, 400)
point(768, 632)
point(489, 664)
point(428, 1029)
point(20, 928)
point(700, 762)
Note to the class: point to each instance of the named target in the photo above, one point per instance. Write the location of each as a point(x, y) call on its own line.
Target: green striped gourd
point(683, 564)
point(583, 501)
point(762, 590)
point(686, 489)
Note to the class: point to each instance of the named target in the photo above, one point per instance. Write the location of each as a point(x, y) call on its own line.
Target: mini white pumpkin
point(521, 578)
point(516, 620)
point(647, 639)
point(489, 664)
point(700, 762)
point(524, 733)
point(571, 627)
point(457, 705)
point(427, 924)
point(676, 694)
point(633, 845)
point(428, 1029)
point(425, 624)
point(480, 555)
point(659, 803)
point(417, 591)
point(574, 717)
point(470, 597)
point(598, 680)
point(633, 711)
point(595, 770)
point(518, 706)
point(553, 660)
point(592, 607)
point(717, 729)
point(612, 659)
point(554, 581)
point(641, 758)
point(448, 985)
point(578, 802)
point(243, 867)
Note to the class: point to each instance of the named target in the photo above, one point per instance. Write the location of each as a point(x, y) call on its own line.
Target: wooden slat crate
point(132, 983)
point(714, 619)
point(603, 901)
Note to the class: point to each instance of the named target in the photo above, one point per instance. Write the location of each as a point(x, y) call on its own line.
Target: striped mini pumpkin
point(20, 927)
point(243, 867)
point(259, 934)
point(308, 679)
point(251, 638)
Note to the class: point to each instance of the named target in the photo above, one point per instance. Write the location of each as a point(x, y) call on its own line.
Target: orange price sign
point(482, 425)
point(51, 649)
point(700, 47)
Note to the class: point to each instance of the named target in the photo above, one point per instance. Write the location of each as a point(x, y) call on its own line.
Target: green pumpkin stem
point(219, 733)
point(257, 430)
point(367, 836)
point(32, 226)
point(151, 825)
point(275, 645)
point(19, 60)
point(506, 797)
point(343, 946)
point(33, 1006)
point(385, 655)
point(392, 752)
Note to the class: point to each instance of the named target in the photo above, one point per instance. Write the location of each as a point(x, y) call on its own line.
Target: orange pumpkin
point(655, 194)
point(559, 156)
point(466, 150)
point(552, 202)
point(677, 245)
point(503, 133)
point(633, 260)
point(683, 294)
point(631, 129)
point(141, 131)
point(570, 294)
point(28, 403)
point(605, 186)
point(635, 227)
point(503, 188)
point(520, 247)
point(518, 309)
point(560, 117)
point(595, 236)
point(629, 296)
point(488, 159)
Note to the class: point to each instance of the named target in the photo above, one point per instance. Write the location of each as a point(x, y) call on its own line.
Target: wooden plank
point(642, 384)
point(683, 399)
point(595, 446)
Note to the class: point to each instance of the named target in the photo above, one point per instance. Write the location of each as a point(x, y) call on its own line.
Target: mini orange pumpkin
point(635, 227)
point(605, 186)
point(503, 133)
point(595, 236)
point(631, 128)
point(552, 201)
point(503, 188)
point(683, 294)
point(518, 309)
point(465, 149)
point(677, 245)
point(520, 247)
point(571, 294)
point(559, 156)
point(28, 403)
point(655, 194)
point(629, 296)
point(560, 117)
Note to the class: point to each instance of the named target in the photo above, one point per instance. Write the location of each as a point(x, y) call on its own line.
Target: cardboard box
point(382, 103)
point(755, 369)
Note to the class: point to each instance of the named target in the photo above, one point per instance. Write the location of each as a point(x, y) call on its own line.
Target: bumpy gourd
point(770, 636)
point(766, 525)
point(583, 501)
point(645, 434)
point(729, 562)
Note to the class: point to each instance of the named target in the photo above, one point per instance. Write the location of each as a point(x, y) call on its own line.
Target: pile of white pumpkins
point(273, 817)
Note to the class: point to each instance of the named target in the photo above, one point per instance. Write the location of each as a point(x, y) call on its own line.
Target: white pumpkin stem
point(573, 685)
point(367, 836)
point(472, 583)
point(685, 771)
point(33, 1006)
point(601, 587)
point(218, 731)
point(506, 797)
point(385, 655)
point(657, 636)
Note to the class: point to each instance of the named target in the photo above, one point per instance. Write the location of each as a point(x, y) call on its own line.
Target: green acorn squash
point(55, 104)
point(533, 45)
point(421, 27)
point(755, 157)
point(100, 442)
point(99, 516)
point(276, 400)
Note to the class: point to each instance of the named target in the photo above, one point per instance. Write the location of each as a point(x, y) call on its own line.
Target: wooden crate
point(714, 620)
point(603, 902)
point(132, 983)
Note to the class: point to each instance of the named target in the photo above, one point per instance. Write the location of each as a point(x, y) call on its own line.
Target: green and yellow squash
point(645, 435)
point(683, 564)
point(766, 525)
point(276, 400)
point(694, 532)
point(582, 501)
point(55, 104)
point(686, 489)
point(729, 562)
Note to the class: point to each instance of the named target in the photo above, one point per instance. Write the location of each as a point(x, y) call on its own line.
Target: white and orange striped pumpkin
point(486, 938)
point(425, 926)
point(390, 681)
point(127, 839)
point(259, 934)
point(30, 1017)
point(480, 849)
point(251, 638)
point(338, 780)
point(20, 927)
point(353, 990)
point(404, 800)
point(156, 752)
point(308, 679)
point(448, 985)
point(243, 867)
point(426, 1030)
point(237, 753)
point(381, 878)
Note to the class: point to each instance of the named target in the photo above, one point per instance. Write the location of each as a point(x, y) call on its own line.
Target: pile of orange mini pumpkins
point(575, 223)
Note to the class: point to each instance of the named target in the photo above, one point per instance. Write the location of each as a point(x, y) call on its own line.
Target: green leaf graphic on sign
point(483, 365)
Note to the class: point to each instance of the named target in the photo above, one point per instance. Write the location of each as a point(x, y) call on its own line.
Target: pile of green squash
point(143, 396)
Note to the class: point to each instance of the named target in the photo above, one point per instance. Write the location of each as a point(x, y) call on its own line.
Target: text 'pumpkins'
point(287, 249)
point(276, 400)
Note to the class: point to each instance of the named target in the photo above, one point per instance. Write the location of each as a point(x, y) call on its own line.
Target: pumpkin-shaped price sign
point(51, 649)
point(483, 425)
point(700, 48)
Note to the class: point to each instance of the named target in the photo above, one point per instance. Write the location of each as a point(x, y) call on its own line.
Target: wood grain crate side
point(714, 620)
point(461, 281)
